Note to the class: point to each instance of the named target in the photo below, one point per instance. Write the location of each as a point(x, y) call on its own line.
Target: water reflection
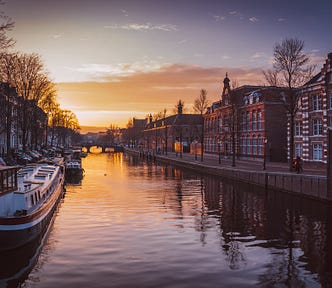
point(295, 231)
point(133, 223)
point(16, 264)
point(74, 179)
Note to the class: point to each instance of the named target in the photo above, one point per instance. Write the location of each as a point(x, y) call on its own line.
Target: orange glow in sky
point(117, 59)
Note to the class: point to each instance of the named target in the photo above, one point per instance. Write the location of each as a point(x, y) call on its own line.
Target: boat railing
point(8, 179)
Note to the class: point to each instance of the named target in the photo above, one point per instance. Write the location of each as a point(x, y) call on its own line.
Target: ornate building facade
point(314, 116)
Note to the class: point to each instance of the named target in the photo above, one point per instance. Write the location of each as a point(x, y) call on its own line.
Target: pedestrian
point(298, 164)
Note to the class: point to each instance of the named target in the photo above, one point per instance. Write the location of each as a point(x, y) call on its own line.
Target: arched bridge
point(103, 146)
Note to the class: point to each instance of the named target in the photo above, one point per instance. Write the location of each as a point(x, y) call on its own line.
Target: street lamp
point(219, 154)
point(195, 149)
point(264, 156)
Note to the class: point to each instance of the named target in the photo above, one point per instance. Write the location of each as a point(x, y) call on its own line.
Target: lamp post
point(219, 154)
point(264, 156)
point(233, 135)
point(195, 149)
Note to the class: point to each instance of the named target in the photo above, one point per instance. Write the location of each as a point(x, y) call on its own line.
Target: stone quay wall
point(312, 186)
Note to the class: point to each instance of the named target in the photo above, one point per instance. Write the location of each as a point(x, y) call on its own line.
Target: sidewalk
point(249, 165)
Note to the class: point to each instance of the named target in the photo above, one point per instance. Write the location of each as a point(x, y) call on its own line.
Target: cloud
point(282, 20)
point(144, 27)
point(219, 18)
point(113, 73)
point(253, 19)
point(150, 92)
point(57, 36)
point(124, 12)
point(183, 41)
point(233, 13)
point(258, 55)
point(236, 14)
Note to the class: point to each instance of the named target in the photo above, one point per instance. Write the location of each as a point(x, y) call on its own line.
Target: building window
point(317, 151)
point(298, 149)
point(259, 120)
point(243, 124)
point(219, 124)
point(317, 127)
point(254, 146)
point(248, 145)
point(298, 128)
point(245, 147)
point(330, 100)
point(316, 102)
point(243, 143)
point(248, 120)
point(330, 121)
point(254, 120)
point(260, 145)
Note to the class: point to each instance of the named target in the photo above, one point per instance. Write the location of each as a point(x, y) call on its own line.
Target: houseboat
point(28, 198)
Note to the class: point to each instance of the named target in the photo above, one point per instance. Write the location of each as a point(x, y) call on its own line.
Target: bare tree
point(6, 24)
point(235, 84)
point(291, 69)
point(201, 102)
point(271, 77)
point(27, 74)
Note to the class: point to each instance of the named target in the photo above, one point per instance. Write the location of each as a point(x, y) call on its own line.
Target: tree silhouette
point(291, 69)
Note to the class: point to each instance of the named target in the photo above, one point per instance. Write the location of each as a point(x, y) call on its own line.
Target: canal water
point(131, 223)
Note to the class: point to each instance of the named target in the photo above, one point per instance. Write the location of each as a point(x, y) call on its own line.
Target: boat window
point(32, 201)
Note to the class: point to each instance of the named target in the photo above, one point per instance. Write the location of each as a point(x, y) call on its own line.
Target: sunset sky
point(113, 60)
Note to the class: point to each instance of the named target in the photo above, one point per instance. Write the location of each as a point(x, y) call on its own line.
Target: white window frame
point(317, 151)
point(317, 127)
point(298, 128)
point(298, 149)
point(316, 102)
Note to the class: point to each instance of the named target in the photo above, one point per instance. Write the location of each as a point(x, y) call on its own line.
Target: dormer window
point(251, 96)
point(246, 100)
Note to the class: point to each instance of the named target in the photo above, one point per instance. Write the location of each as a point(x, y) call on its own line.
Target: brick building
point(172, 133)
point(249, 122)
point(314, 116)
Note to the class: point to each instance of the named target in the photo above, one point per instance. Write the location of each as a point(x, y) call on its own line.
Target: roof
point(178, 119)
point(317, 78)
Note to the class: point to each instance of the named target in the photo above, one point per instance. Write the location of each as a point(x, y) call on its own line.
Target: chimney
point(180, 106)
point(150, 118)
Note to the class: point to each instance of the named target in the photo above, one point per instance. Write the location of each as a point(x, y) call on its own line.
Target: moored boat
point(74, 168)
point(28, 198)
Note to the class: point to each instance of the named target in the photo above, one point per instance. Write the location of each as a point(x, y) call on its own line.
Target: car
point(2, 162)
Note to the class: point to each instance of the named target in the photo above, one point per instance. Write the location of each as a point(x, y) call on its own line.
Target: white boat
point(28, 198)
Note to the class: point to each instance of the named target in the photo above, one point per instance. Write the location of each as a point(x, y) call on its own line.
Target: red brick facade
point(249, 121)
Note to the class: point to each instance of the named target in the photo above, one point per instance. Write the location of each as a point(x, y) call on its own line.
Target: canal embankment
point(311, 183)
